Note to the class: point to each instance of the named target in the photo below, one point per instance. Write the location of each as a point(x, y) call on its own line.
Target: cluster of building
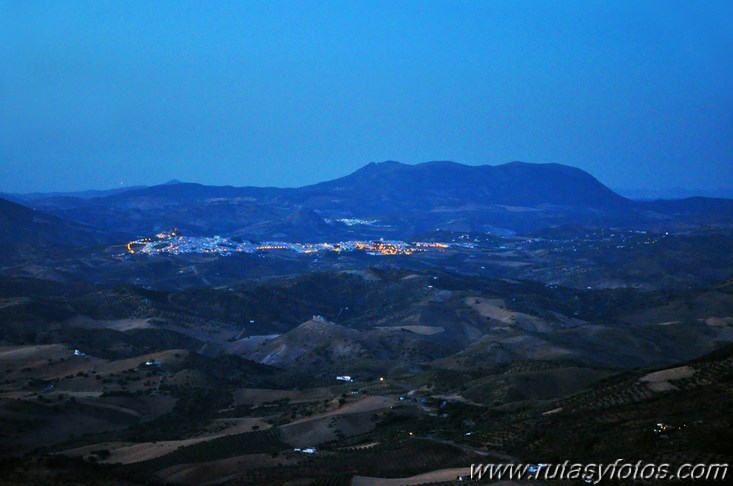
point(307, 450)
point(176, 244)
point(354, 221)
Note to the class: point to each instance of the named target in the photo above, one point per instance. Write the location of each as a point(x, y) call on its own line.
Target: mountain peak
point(387, 164)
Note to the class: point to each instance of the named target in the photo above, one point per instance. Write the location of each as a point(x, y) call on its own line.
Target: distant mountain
point(691, 211)
point(441, 184)
point(32, 196)
point(403, 201)
point(435, 183)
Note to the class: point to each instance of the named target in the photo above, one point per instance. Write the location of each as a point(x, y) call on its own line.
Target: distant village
point(176, 244)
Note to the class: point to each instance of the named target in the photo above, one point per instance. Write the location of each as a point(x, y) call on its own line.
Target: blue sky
point(288, 93)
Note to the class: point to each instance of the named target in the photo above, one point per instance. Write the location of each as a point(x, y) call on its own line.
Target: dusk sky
point(92, 94)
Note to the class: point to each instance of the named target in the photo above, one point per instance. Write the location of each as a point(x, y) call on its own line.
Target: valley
point(354, 348)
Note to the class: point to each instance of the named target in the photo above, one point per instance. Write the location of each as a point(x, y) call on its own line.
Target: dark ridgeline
point(406, 200)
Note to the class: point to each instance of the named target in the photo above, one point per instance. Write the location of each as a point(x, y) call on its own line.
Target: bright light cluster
point(175, 244)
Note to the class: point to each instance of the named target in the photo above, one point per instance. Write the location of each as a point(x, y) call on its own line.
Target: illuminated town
point(176, 244)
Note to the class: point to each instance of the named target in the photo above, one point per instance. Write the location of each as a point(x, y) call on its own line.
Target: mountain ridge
point(405, 199)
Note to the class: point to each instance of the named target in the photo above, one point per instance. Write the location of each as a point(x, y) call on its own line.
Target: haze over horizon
point(293, 93)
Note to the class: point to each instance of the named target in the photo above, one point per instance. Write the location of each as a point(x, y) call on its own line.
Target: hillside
point(24, 230)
